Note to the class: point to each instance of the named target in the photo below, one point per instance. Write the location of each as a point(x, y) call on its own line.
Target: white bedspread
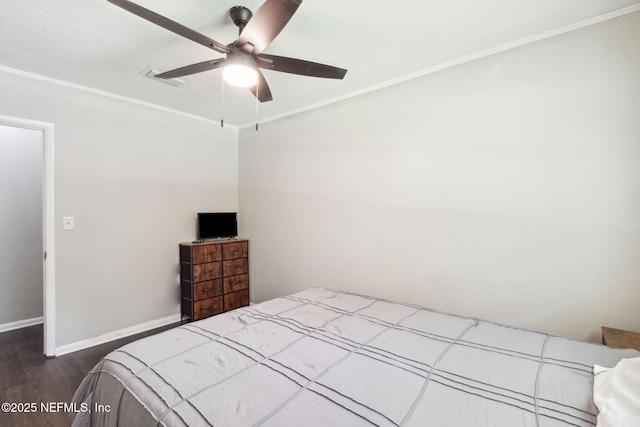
point(329, 358)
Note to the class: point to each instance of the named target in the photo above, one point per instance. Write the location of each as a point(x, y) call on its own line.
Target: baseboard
point(5, 327)
point(121, 333)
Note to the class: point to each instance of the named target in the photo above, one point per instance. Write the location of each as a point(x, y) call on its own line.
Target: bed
point(324, 357)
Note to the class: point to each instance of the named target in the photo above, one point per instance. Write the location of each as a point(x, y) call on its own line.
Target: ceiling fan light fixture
point(240, 75)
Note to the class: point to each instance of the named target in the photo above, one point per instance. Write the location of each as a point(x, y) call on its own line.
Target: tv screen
point(217, 225)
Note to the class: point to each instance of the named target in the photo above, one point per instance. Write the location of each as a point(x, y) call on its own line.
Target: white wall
point(507, 188)
point(21, 163)
point(133, 177)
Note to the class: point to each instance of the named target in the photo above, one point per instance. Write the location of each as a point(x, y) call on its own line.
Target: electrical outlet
point(68, 223)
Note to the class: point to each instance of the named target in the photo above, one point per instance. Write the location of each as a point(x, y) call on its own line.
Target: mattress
point(324, 357)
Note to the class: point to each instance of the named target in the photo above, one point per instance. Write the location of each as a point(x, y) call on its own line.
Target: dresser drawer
point(207, 307)
point(236, 299)
point(208, 289)
point(235, 250)
point(235, 266)
point(235, 283)
point(208, 271)
point(206, 253)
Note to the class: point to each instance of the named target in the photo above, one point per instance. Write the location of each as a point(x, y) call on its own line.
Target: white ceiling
point(95, 44)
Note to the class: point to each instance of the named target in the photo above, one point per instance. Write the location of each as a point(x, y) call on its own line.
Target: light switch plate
point(68, 223)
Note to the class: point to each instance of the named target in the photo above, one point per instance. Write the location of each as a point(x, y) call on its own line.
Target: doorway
point(45, 131)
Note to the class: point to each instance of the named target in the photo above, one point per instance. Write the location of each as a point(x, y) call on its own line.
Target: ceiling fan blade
point(263, 92)
point(171, 25)
point(192, 69)
point(266, 24)
point(299, 66)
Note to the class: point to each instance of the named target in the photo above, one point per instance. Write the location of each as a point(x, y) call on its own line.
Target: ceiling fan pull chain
point(222, 105)
point(257, 102)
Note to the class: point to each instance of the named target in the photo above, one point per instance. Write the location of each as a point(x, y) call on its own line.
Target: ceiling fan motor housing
point(240, 15)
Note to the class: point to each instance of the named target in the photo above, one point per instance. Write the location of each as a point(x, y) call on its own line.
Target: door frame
point(48, 225)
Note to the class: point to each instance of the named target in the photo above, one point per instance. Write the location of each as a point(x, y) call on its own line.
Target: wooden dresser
point(214, 277)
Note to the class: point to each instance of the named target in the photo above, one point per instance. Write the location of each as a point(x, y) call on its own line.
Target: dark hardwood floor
point(26, 376)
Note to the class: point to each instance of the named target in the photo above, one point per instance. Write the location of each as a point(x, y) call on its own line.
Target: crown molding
point(106, 94)
point(462, 60)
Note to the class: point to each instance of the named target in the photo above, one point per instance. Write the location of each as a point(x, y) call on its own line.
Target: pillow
point(616, 393)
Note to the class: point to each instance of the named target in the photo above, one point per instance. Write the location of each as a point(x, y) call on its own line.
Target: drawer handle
point(206, 289)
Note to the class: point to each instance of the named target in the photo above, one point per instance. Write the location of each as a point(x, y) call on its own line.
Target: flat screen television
point(217, 225)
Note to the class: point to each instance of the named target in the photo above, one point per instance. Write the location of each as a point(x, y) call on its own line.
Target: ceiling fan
point(244, 56)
